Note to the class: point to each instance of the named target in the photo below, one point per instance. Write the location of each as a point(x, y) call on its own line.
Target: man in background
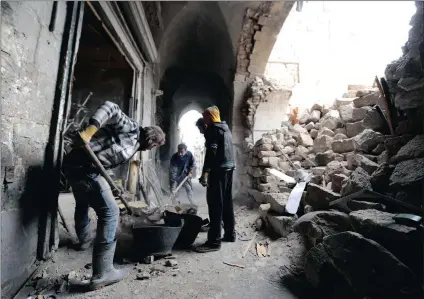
point(181, 166)
point(217, 176)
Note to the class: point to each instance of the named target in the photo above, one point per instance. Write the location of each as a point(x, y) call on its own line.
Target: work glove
point(88, 133)
point(204, 179)
point(190, 174)
point(173, 190)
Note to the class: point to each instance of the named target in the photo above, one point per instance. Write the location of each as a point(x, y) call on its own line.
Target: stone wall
point(405, 76)
point(30, 56)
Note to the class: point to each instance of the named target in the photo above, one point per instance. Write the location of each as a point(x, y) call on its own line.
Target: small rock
point(322, 143)
point(88, 266)
point(319, 197)
point(299, 129)
point(380, 178)
point(374, 121)
point(383, 157)
point(358, 180)
point(263, 141)
point(357, 205)
point(143, 276)
point(266, 147)
point(355, 128)
point(72, 276)
point(379, 149)
point(365, 163)
point(42, 283)
point(346, 112)
point(314, 133)
point(367, 140)
point(331, 120)
point(366, 100)
point(277, 201)
point(308, 209)
point(343, 145)
point(310, 126)
point(263, 154)
point(339, 136)
point(282, 225)
point(322, 159)
point(315, 116)
point(171, 263)
point(149, 259)
point(340, 131)
point(359, 113)
point(326, 131)
point(337, 181)
point(344, 102)
point(317, 107)
point(318, 170)
point(394, 144)
point(332, 168)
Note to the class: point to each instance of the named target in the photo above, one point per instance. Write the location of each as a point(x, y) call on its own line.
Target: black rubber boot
point(104, 273)
point(230, 237)
point(208, 247)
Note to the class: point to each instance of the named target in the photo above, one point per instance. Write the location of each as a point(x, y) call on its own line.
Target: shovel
point(172, 197)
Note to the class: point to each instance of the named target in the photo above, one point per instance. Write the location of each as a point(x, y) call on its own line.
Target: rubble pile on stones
point(346, 148)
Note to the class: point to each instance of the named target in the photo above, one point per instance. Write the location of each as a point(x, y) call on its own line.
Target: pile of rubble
point(358, 247)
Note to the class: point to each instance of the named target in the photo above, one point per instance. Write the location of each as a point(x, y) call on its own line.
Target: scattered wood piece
point(260, 250)
point(248, 245)
point(233, 265)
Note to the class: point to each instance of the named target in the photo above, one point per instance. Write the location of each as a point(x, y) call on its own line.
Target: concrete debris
point(339, 136)
point(367, 140)
point(406, 173)
point(359, 180)
point(346, 112)
point(314, 226)
point(379, 149)
point(381, 176)
point(305, 139)
point(322, 159)
point(315, 116)
point(319, 197)
point(402, 241)
point(277, 201)
point(332, 168)
point(281, 225)
point(412, 150)
point(365, 163)
point(143, 276)
point(310, 126)
point(326, 131)
point(171, 263)
point(373, 120)
point(366, 100)
point(322, 143)
point(353, 264)
point(331, 120)
point(337, 181)
point(342, 145)
point(353, 129)
point(314, 133)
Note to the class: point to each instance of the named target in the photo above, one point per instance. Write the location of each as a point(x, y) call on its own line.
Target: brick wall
point(29, 64)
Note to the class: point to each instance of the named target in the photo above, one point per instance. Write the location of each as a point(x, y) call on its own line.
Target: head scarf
point(213, 113)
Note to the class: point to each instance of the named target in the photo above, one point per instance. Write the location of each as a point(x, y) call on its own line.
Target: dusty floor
point(197, 275)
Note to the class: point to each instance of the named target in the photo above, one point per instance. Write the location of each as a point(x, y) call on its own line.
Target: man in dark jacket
point(217, 176)
point(182, 165)
point(115, 139)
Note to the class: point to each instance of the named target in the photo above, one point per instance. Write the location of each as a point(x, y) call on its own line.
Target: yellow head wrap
point(213, 113)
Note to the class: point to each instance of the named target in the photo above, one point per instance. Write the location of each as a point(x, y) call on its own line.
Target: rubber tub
point(192, 225)
point(156, 240)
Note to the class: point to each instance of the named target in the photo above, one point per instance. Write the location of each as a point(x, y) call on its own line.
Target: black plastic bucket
point(156, 240)
point(191, 228)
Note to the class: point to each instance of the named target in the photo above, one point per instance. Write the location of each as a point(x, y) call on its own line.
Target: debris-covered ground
point(186, 274)
point(370, 243)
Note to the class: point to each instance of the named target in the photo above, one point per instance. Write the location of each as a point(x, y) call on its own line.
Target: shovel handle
point(106, 176)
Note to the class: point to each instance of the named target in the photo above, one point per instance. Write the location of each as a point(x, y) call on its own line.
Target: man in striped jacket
point(115, 139)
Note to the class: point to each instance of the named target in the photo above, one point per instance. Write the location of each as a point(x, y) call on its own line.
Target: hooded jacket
point(219, 148)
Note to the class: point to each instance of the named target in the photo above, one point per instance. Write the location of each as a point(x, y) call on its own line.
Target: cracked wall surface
point(29, 64)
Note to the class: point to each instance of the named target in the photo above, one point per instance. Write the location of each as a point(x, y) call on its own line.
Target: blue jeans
point(92, 190)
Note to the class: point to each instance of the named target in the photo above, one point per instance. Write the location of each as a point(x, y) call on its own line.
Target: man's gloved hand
point(204, 179)
point(190, 174)
point(173, 190)
point(88, 133)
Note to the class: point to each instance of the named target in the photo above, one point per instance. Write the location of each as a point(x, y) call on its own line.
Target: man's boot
point(104, 273)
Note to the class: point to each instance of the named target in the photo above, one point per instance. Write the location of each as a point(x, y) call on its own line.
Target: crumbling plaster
point(29, 65)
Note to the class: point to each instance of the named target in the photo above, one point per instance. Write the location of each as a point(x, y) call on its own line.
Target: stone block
point(266, 154)
point(359, 180)
point(282, 225)
point(353, 129)
point(256, 195)
point(342, 146)
point(319, 197)
point(263, 210)
point(366, 100)
point(367, 140)
point(277, 201)
point(322, 143)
